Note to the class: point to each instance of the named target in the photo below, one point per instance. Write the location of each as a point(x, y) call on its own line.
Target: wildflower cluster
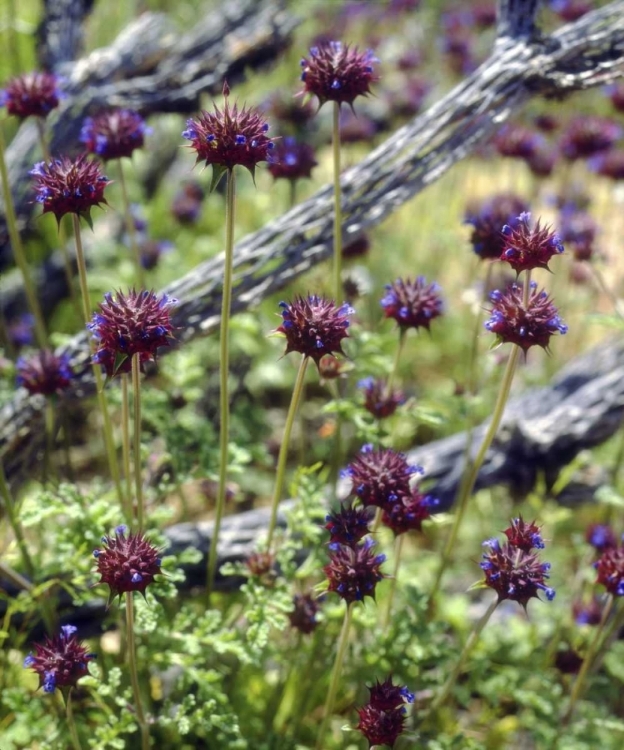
point(488, 219)
point(382, 719)
point(44, 373)
point(380, 400)
point(412, 304)
point(526, 247)
point(114, 134)
point(610, 569)
point(60, 661)
point(33, 94)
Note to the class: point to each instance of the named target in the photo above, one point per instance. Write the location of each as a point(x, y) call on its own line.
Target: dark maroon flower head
point(610, 568)
point(542, 162)
point(408, 512)
point(386, 695)
point(488, 219)
point(413, 304)
point(303, 616)
point(456, 46)
point(354, 572)
point(578, 230)
point(546, 122)
point(587, 613)
point(528, 326)
point(128, 324)
point(380, 477)
point(616, 94)
point(60, 661)
point(260, 564)
point(348, 525)
point(114, 134)
point(483, 13)
point(289, 110)
point(69, 186)
point(382, 719)
point(609, 164)
point(601, 537)
point(127, 563)
point(229, 137)
point(523, 535)
point(588, 136)
point(336, 72)
point(517, 141)
point(514, 573)
point(314, 326)
point(408, 101)
point(378, 400)
point(292, 160)
point(409, 60)
point(357, 248)
point(187, 202)
point(44, 373)
point(527, 247)
point(358, 128)
point(21, 330)
point(150, 252)
point(31, 95)
point(571, 10)
point(331, 367)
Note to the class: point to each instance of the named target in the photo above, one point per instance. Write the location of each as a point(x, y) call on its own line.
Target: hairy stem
point(131, 228)
point(337, 206)
point(136, 449)
point(134, 675)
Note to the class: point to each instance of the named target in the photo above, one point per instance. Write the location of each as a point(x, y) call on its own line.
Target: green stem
point(588, 661)
point(99, 385)
point(138, 479)
point(337, 207)
point(469, 645)
point(397, 359)
point(11, 23)
point(398, 549)
point(134, 675)
point(292, 193)
point(283, 452)
point(125, 446)
point(49, 438)
point(71, 724)
point(131, 228)
point(470, 476)
point(18, 249)
point(224, 372)
point(343, 642)
point(9, 505)
point(12, 575)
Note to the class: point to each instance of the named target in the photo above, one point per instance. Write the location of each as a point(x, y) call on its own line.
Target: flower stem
point(9, 506)
point(99, 386)
point(224, 372)
point(125, 445)
point(343, 641)
point(283, 452)
point(469, 645)
point(136, 451)
point(18, 249)
point(71, 724)
point(131, 228)
point(134, 676)
point(337, 206)
point(397, 360)
point(398, 549)
point(49, 439)
point(472, 471)
point(588, 661)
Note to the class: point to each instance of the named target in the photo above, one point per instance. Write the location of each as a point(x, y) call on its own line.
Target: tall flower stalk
point(227, 138)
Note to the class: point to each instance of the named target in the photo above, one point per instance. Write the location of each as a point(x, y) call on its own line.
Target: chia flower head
point(616, 94)
point(523, 535)
point(527, 247)
point(578, 230)
point(69, 186)
point(413, 304)
point(528, 326)
point(114, 134)
point(408, 512)
point(408, 100)
point(128, 324)
point(60, 661)
point(587, 612)
point(378, 400)
point(382, 719)
point(331, 367)
point(187, 202)
point(514, 573)
point(260, 564)
point(587, 136)
point(303, 616)
point(289, 110)
point(488, 219)
point(380, 477)
point(610, 164)
point(128, 562)
point(354, 572)
point(610, 569)
point(517, 141)
point(601, 537)
point(314, 326)
point(33, 94)
point(546, 122)
point(336, 72)
point(292, 160)
point(229, 137)
point(348, 525)
point(44, 373)
point(542, 162)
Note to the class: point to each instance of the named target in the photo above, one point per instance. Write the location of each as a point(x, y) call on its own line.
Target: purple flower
point(610, 164)
point(610, 569)
point(261, 564)
point(229, 137)
point(514, 573)
point(616, 94)
point(380, 477)
point(588, 136)
point(44, 373)
point(488, 219)
point(33, 94)
point(413, 304)
point(314, 326)
point(527, 247)
point(517, 141)
point(578, 230)
point(354, 572)
point(292, 160)
point(382, 719)
point(408, 512)
point(303, 616)
point(528, 326)
point(60, 661)
point(69, 186)
point(378, 400)
point(187, 202)
point(128, 324)
point(114, 134)
point(601, 537)
point(524, 536)
point(128, 562)
point(348, 525)
point(338, 73)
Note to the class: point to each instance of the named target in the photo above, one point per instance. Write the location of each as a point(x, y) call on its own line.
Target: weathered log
point(60, 33)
